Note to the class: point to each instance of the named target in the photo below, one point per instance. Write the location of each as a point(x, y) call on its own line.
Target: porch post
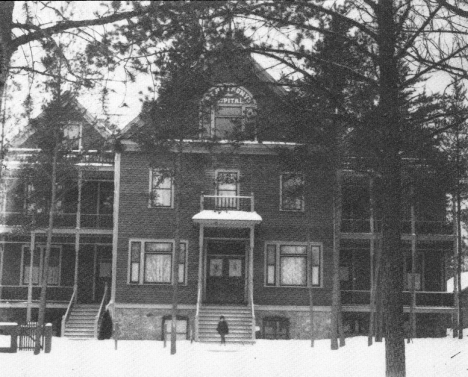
point(251, 272)
point(200, 261)
point(200, 280)
point(77, 233)
point(32, 247)
point(250, 281)
point(115, 233)
point(2, 252)
point(372, 265)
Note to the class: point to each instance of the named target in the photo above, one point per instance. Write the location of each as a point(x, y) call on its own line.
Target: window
point(418, 276)
point(292, 192)
point(227, 119)
point(72, 136)
point(53, 277)
point(228, 111)
point(227, 185)
point(275, 328)
point(161, 189)
point(150, 261)
point(290, 265)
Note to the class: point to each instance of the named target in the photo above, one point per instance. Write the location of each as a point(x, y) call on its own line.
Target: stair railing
point(197, 313)
point(97, 321)
point(69, 310)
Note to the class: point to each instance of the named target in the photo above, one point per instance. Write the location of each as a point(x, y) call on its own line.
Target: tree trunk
point(45, 268)
point(6, 19)
point(175, 262)
point(456, 302)
point(389, 126)
point(336, 296)
point(311, 289)
point(459, 262)
point(414, 260)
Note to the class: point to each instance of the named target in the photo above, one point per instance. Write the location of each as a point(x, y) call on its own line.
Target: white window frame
point(150, 190)
point(80, 133)
point(141, 266)
point(277, 271)
point(217, 171)
point(281, 193)
point(42, 249)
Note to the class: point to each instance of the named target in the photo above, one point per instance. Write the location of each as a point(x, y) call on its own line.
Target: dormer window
point(228, 112)
point(72, 136)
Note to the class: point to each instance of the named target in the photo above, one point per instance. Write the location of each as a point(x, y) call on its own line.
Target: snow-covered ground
point(425, 357)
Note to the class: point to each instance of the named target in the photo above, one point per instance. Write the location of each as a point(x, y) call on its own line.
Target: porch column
point(32, 247)
point(77, 233)
point(200, 279)
point(115, 233)
point(2, 251)
point(200, 263)
point(251, 273)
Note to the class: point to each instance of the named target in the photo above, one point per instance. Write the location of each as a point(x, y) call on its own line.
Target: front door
point(103, 274)
point(225, 272)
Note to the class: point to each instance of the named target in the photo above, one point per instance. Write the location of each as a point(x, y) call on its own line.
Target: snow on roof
point(211, 217)
point(464, 282)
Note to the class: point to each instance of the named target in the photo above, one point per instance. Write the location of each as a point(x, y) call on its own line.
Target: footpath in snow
point(424, 357)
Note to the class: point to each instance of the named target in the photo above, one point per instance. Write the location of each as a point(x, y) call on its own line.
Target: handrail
point(69, 309)
point(252, 308)
point(100, 311)
point(227, 197)
point(197, 313)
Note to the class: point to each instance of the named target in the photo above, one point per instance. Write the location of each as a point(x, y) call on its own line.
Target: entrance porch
point(225, 273)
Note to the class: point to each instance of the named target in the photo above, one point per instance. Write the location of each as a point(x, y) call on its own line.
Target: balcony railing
point(422, 227)
point(434, 299)
point(20, 293)
point(227, 203)
point(61, 220)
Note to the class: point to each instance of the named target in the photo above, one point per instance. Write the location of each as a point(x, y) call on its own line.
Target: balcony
point(422, 227)
point(424, 299)
point(227, 203)
point(227, 211)
point(62, 220)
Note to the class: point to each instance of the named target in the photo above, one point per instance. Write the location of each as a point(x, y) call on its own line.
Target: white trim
point(281, 193)
point(277, 264)
point(141, 269)
point(150, 191)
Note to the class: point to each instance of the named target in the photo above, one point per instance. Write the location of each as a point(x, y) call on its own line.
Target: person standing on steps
point(222, 329)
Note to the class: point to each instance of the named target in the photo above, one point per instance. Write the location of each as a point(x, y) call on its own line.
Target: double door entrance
point(225, 272)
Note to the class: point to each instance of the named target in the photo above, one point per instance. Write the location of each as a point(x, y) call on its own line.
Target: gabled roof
point(261, 73)
point(70, 102)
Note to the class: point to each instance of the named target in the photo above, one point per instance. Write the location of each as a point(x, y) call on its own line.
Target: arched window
point(228, 112)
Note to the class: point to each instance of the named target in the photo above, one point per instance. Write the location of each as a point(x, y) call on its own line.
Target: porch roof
point(229, 218)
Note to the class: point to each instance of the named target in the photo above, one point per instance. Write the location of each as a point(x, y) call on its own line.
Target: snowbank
point(425, 357)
